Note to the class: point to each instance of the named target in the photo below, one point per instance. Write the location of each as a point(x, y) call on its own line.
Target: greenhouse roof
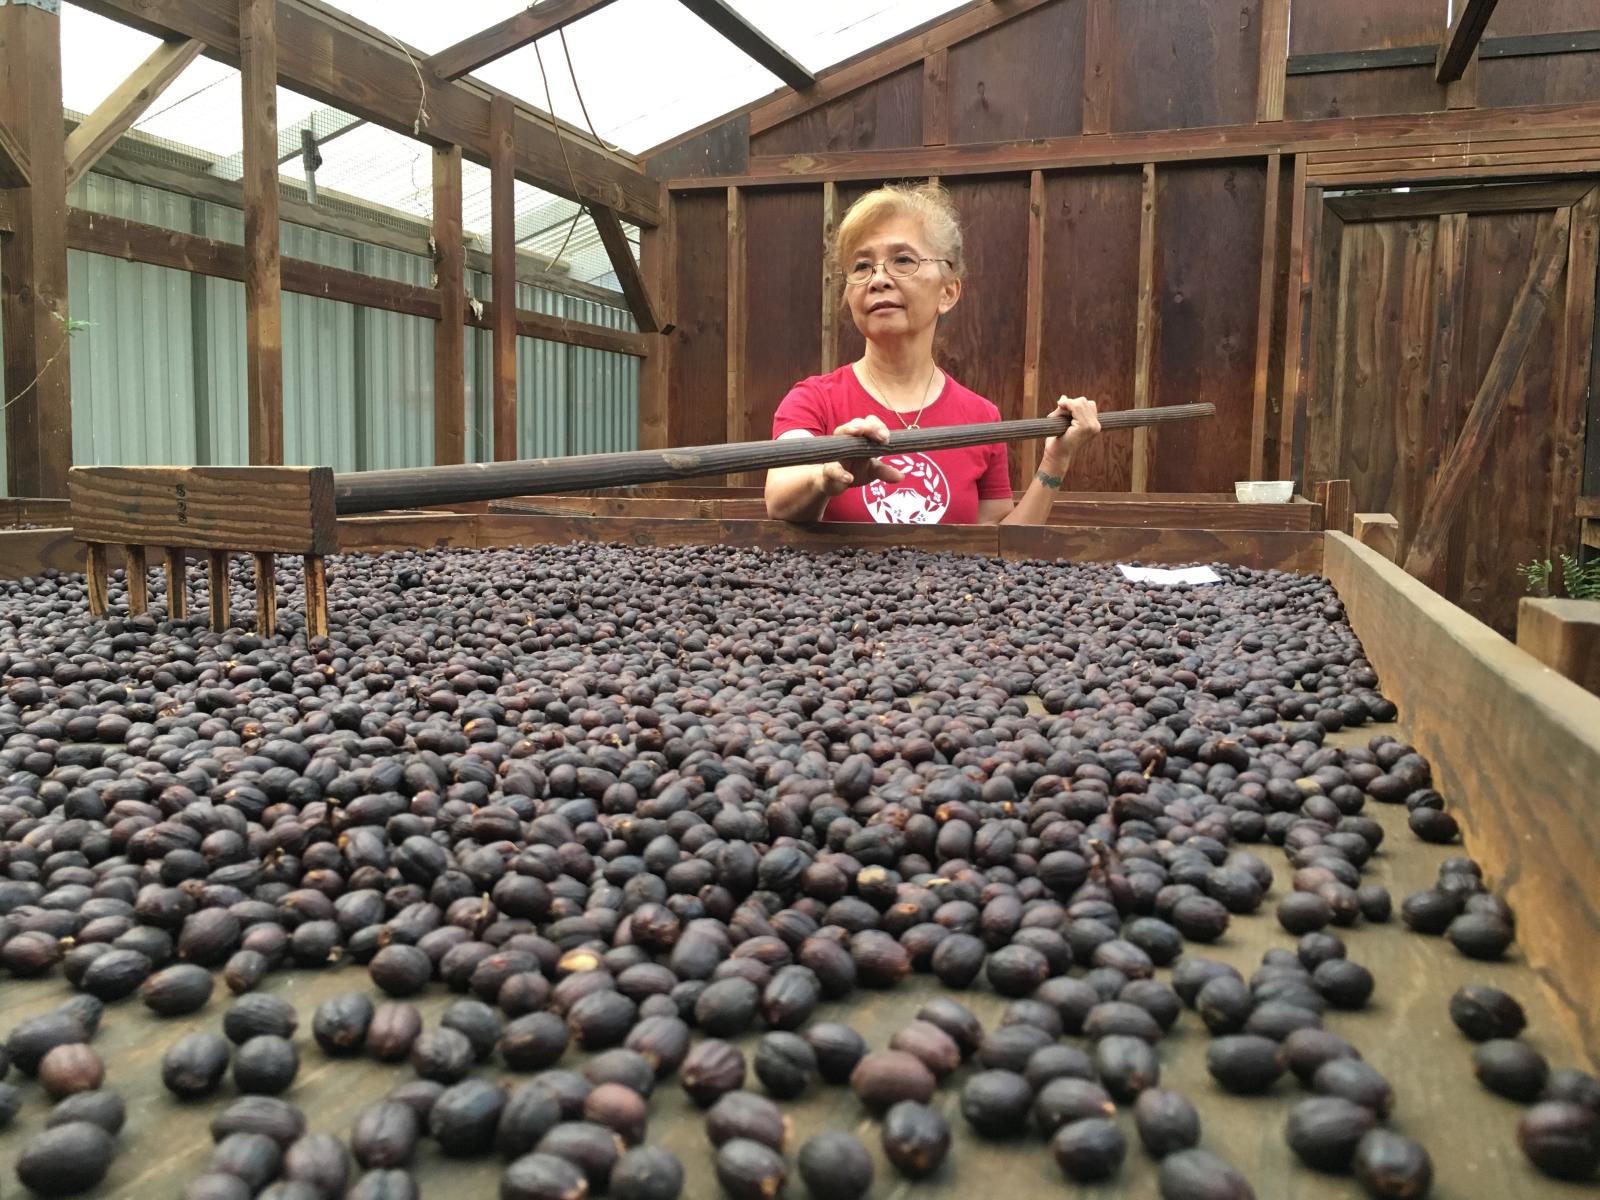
point(637, 73)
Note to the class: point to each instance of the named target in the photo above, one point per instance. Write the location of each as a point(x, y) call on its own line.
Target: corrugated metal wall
point(158, 375)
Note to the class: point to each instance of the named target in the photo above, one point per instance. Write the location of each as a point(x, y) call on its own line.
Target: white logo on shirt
point(921, 498)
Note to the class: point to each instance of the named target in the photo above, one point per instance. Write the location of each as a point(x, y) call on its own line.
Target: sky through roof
point(645, 71)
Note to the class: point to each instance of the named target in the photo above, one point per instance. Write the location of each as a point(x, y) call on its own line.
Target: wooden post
point(316, 597)
point(1274, 59)
point(1099, 44)
point(1377, 531)
point(177, 569)
point(658, 260)
point(450, 331)
point(936, 98)
point(221, 614)
point(831, 286)
point(1550, 253)
point(1266, 310)
point(95, 576)
point(1033, 329)
point(35, 387)
point(263, 298)
point(738, 426)
point(266, 594)
point(1305, 228)
point(1145, 337)
point(136, 571)
point(1334, 496)
point(503, 281)
point(1564, 635)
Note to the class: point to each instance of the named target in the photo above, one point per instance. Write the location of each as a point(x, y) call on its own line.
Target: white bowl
point(1264, 491)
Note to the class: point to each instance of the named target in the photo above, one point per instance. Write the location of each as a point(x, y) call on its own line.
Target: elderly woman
point(900, 250)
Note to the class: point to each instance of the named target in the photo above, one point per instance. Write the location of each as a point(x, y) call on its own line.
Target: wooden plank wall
point(1185, 260)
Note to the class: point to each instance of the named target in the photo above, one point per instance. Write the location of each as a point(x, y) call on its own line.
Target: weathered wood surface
point(1066, 511)
point(117, 113)
point(1405, 1033)
point(24, 510)
point(1514, 747)
point(1564, 635)
point(1377, 531)
point(263, 254)
point(282, 509)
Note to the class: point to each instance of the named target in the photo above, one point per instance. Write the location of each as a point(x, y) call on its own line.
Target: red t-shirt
point(941, 487)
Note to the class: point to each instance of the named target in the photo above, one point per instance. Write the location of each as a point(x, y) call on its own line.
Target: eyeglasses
point(896, 266)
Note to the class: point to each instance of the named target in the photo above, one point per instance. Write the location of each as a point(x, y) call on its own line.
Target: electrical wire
point(561, 141)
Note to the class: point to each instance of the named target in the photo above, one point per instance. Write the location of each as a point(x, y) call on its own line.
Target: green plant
point(1578, 581)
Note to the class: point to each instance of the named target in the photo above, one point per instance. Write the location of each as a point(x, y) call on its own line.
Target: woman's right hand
point(840, 477)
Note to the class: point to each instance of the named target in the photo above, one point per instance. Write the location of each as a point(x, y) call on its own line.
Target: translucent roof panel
point(639, 72)
point(649, 70)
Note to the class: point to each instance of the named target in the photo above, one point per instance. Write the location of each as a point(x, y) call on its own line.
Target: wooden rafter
point(338, 61)
point(118, 111)
point(1466, 31)
point(629, 278)
point(1466, 457)
point(14, 171)
point(510, 35)
point(755, 44)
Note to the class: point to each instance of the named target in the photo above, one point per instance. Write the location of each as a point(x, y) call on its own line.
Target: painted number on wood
point(183, 505)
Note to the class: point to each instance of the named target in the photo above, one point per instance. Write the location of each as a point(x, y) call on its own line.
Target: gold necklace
point(921, 408)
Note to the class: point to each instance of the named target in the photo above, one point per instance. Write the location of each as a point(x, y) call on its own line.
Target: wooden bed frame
point(1516, 747)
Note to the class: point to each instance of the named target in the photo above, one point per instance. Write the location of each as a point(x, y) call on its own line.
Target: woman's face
point(890, 308)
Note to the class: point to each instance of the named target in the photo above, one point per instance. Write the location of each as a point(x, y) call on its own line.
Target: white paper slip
point(1164, 576)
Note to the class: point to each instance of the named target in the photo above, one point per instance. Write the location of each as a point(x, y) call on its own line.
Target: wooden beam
point(1548, 263)
point(388, 228)
point(1426, 131)
point(503, 278)
point(1145, 336)
point(1099, 49)
point(36, 385)
point(1564, 635)
point(936, 98)
point(738, 425)
point(1377, 531)
point(1274, 59)
point(118, 111)
point(449, 334)
point(751, 41)
point(512, 34)
point(336, 60)
point(14, 168)
point(263, 274)
point(1266, 311)
point(1033, 328)
point(175, 565)
point(1461, 43)
point(620, 251)
point(136, 242)
point(266, 593)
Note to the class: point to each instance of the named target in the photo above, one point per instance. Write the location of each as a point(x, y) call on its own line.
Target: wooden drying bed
point(1514, 747)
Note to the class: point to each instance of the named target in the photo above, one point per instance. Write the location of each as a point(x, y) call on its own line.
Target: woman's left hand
point(1084, 429)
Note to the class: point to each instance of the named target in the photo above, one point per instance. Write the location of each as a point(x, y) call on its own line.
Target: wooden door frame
point(1317, 286)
